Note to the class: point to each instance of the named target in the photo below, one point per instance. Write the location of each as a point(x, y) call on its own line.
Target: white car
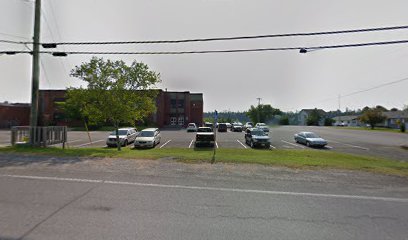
point(262, 126)
point(126, 136)
point(148, 137)
point(191, 127)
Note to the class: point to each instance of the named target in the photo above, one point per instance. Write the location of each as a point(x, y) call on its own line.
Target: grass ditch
point(304, 158)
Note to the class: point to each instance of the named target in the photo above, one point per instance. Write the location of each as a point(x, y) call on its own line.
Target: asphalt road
point(372, 143)
point(49, 198)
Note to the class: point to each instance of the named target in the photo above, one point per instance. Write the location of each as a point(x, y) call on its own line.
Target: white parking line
point(191, 143)
point(273, 147)
point(219, 189)
point(89, 143)
point(241, 143)
point(164, 144)
point(216, 144)
point(354, 146)
point(296, 145)
point(329, 147)
point(73, 141)
point(286, 146)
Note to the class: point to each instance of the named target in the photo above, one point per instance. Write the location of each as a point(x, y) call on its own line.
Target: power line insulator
point(59, 54)
point(49, 45)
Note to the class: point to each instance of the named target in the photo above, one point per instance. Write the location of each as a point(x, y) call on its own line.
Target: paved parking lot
point(381, 144)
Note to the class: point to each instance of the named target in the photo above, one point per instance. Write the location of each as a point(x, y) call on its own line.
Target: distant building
point(352, 121)
point(14, 114)
point(395, 118)
point(173, 109)
point(304, 114)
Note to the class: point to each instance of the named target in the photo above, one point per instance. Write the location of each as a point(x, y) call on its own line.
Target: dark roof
point(346, 118)
point(396, 114)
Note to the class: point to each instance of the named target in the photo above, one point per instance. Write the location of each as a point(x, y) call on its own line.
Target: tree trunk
point(87, 131)
point(372, 126)
point(117, 136)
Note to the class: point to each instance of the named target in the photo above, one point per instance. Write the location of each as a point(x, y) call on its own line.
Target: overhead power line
point(375, 87)
point(302, 50)
point(237, 37)
point(280, 35)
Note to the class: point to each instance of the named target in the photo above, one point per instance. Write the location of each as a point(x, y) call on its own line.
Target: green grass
point(377, 129)
point(285, 158)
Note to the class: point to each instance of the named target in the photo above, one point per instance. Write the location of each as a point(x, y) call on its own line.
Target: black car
point(256, 137)
point(222, 127)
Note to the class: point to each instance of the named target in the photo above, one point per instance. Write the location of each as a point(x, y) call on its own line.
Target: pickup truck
point(204, 137)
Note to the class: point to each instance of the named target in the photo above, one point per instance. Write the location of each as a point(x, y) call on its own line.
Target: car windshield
point(311, 135)
point(146, 134)
point(191, 125)
point(261, 124)
point(121, 132)
point(204, 130)
point(258, 133)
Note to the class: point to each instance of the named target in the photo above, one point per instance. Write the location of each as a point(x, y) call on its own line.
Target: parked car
point(191, 127)
point(236, 127)
point(229, 125)
point(204, 137)
point(148, 137)
point(208, 124)
point(248, 125)
point(310, 139)
point(256, 137)
point(262, 126)
point(126, 136)
point(222, 127)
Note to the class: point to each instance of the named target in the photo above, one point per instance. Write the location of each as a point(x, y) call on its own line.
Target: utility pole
point(259, 103)
point(35, 72)
point(339, 108)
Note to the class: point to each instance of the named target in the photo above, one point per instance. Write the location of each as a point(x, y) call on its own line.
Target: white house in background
point(351, 121)
point(395, 118)
point(304, 114)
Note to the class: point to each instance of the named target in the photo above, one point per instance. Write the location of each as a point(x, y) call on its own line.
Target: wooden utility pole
point(35, 72)
point(259, 103)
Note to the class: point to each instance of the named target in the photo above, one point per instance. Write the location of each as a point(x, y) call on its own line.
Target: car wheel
point(125, 143)
point(252, 144)
point(308, 143)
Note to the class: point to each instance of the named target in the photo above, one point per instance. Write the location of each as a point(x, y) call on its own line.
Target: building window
point(180, 103)
point(173, 121)
point(181, 121)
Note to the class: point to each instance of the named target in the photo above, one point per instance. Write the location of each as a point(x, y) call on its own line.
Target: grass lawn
point(287, 158)
point(377, 129)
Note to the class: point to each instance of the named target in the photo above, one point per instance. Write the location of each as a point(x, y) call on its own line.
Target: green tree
point(116, 92)
point(262, 113)
point(313, 118)
point(372, 116)
point(328, 121)
point(284, 120)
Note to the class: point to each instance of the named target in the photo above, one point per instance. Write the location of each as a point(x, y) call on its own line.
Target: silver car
point(310, 139)
point(148, 137)
point(126, 136)
point(262, 126)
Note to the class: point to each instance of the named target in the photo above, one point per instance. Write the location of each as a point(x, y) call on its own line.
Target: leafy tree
point(372, 117)
point(116, 92)
point(262, 113)
point(328, 122)
point(313, 118)
point(366, 108)
point(394, 109)
point(284, 120)
point(381, 108)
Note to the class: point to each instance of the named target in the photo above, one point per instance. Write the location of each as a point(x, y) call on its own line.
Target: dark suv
point(256, 137)
point(222, 127)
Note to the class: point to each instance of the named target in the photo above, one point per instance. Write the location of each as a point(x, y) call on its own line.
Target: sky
point(287, 80)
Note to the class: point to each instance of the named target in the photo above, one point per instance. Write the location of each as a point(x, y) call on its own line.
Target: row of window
point(176, 121)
